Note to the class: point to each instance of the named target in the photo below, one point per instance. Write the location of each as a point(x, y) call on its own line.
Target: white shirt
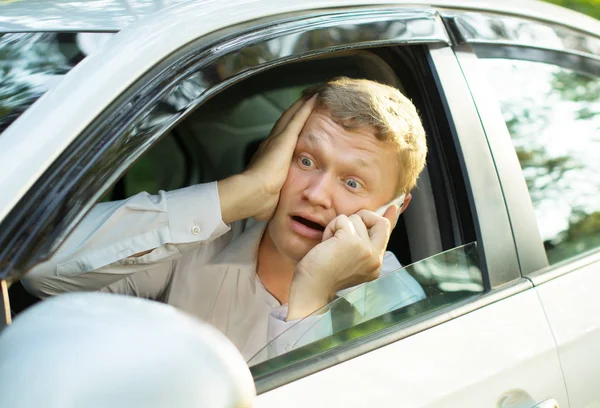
point(196, 266)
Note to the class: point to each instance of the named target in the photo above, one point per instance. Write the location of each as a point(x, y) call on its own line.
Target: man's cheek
point(344, 203)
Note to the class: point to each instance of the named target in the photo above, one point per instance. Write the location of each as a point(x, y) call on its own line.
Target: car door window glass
point(553, 116)
point(399, 297)
point(32, 63)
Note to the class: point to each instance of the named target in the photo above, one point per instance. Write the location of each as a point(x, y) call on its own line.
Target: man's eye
point(306, 161)
point(352, 183)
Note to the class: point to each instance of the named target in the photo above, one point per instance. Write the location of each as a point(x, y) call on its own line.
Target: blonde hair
point(355, 103)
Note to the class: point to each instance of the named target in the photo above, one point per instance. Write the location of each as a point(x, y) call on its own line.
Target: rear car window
point(33, 63)
point(553, 116)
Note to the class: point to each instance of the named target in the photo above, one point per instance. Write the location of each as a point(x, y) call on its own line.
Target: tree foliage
point(589, 7)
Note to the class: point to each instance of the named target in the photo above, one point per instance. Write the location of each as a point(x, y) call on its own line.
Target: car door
point(546, 80)
point(486, 348)
point(495, 349)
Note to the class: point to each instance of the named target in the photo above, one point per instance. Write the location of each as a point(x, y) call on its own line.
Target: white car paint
point(511, 352)
point(502, 351)
point(572, 305)
point(34, 141)
point(114, 15)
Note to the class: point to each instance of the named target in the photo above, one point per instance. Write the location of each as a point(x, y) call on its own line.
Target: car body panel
point(501, 351)
point(571, 303)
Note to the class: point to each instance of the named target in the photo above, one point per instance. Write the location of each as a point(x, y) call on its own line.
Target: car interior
point(220, 137)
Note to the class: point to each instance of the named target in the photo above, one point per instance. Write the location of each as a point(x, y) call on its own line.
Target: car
point(503, 233)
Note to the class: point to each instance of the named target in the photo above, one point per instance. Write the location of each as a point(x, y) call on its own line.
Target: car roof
point(113, 15)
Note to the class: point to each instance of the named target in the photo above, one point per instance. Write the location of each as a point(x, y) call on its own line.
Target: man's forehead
point(313, 137)
point(321, 124)
point(320, 142)
point(333, 134)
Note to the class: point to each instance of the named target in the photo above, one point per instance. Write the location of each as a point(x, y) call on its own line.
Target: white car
point(102, 99)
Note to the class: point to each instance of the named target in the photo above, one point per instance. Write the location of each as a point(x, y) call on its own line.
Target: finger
point(341, 223)
point(392, 214)
point(286, 116)
point(370, 218)
point(359, 226)
point(379, 227)
point(295, 125)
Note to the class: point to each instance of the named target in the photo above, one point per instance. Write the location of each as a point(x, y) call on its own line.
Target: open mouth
point(309, 223)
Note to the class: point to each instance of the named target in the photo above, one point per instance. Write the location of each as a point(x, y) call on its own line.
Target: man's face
point(334, 171)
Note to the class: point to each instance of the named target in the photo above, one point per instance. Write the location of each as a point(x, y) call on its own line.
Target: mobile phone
point(399, 201)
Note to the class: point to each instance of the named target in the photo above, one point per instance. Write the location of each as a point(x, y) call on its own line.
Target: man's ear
point(406, 202)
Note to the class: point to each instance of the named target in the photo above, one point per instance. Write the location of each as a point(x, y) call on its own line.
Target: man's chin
point(297, 249)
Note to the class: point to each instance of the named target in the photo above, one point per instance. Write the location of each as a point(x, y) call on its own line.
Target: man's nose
point(318, 192)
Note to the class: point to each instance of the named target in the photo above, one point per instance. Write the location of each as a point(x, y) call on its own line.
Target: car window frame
point(470, 49)
point(116, 124)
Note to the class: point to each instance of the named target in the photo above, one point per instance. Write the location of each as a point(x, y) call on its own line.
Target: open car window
point(399, 297)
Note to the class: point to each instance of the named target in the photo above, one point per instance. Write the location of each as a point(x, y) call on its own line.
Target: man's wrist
point(306, 297)
point(239, 197)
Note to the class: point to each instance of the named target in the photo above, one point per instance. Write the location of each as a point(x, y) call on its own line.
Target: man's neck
point(274, 270)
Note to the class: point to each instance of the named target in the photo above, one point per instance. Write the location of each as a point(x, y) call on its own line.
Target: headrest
point(251, 148)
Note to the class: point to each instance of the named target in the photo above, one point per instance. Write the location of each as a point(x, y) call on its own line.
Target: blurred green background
point(589, 7)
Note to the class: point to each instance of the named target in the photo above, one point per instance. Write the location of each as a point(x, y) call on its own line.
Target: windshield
point(33, 63)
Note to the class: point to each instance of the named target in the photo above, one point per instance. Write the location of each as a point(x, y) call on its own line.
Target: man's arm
point(139, 237)
point(103, 248)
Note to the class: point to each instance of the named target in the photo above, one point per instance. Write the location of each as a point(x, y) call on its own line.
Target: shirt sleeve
point(284, 336)
point(99, 251)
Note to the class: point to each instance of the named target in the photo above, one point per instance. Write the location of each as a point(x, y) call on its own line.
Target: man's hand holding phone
point(350, 253)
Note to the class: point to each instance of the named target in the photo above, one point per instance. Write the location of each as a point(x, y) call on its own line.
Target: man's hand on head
point(255, 192)
point(270, 164)
point(350, 253)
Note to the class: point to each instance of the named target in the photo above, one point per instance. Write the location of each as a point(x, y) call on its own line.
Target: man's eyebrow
point(314, 138)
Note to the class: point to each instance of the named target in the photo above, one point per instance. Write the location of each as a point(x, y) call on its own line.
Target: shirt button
point(195, 230)
point(130, 262)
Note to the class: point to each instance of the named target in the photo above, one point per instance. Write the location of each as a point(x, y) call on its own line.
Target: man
point(329, 162)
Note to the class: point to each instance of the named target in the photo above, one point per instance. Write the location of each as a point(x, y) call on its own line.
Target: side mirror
point(104, 350)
